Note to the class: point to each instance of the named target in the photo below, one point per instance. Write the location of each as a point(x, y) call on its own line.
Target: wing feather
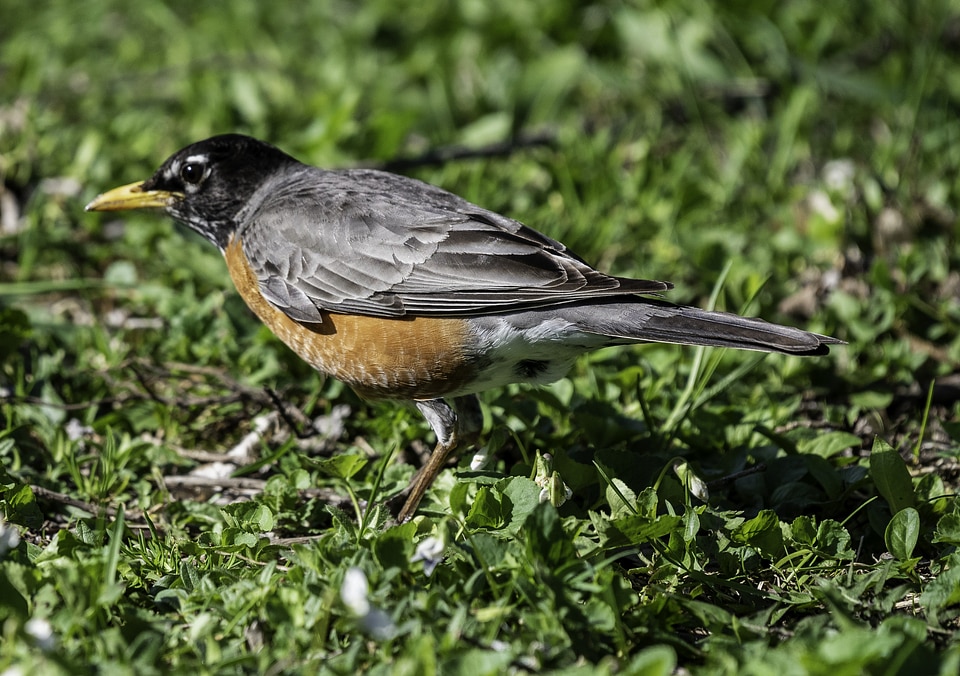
point(374, 243)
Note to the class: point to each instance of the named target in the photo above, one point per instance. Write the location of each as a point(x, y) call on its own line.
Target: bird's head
point(203, 185)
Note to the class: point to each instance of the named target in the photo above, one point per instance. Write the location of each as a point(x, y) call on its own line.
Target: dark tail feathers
point(655, 321)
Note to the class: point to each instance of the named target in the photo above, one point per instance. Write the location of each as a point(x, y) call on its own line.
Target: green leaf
point(263, 518)
point(691, 525)
point(891, 477)
point(833, 540)
point(762, 532)
point(633, 529)
point(545, 536)
point(489, 549)
point(804, 530)
point(621, 498)
point(299, 480)
point(458, 497)
point(639, 529)
point(902, 533)
point(396, 545)
point(647, 502)
point(871, 399)
point(11, 600)
point(486, 510)
point(948, 529)
point(189, 576)
point(522, 495)
point(829, 444)
point(233, 538)
point(472, 662)
point(943, 591)
point(712, 616)
point(23, 508)
point(342, 466)
point(659, 660)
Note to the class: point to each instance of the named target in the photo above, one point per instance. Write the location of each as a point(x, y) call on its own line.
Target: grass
point(729, 513)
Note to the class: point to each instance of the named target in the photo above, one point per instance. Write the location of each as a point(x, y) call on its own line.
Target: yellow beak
point(133, 196)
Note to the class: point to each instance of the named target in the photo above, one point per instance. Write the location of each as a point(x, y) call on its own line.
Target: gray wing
point(372, 243)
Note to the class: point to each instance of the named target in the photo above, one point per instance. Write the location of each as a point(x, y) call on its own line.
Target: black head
point(203, 185)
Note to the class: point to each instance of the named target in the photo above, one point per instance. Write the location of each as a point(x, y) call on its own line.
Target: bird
point(405, 291)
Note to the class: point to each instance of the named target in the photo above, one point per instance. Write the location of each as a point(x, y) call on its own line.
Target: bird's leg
point(469, 419)
point(452, 425)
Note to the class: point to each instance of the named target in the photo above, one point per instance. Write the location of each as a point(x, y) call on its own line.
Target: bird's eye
point(191, 172)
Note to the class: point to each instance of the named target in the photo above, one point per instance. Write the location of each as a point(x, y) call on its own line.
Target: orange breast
point(408, 358)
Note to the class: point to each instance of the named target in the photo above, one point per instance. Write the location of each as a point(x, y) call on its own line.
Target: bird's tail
point(654, 321)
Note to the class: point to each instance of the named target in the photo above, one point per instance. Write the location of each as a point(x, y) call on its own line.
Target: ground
point(180, 494)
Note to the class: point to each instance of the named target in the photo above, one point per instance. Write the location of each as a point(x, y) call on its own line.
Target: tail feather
point(655, 321)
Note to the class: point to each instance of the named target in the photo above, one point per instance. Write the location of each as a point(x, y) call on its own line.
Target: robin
point(405, 291)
